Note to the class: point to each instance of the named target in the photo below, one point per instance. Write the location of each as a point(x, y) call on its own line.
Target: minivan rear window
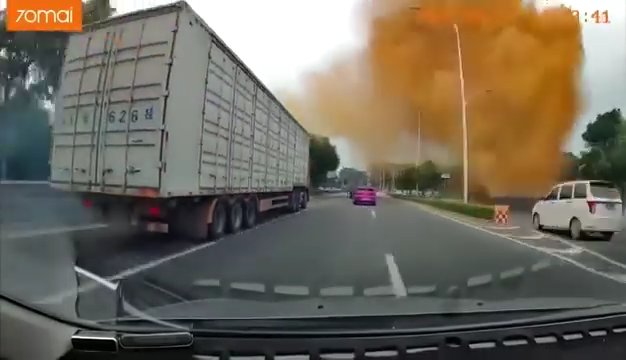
point(604, 190)
point(365, 189)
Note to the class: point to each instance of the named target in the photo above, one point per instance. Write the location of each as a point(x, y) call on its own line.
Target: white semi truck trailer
point(158, 122)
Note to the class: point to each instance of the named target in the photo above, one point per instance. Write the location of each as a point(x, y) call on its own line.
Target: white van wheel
point(575, 229)
point(537, 222)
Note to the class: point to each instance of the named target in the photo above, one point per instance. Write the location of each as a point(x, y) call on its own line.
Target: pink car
point(364, 195)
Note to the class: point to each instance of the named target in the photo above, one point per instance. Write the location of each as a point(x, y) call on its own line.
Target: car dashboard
point(27, 334)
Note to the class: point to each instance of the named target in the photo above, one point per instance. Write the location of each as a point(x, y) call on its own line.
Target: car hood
point(228, 308)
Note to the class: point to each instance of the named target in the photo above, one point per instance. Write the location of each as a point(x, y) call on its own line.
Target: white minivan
point(582, 206)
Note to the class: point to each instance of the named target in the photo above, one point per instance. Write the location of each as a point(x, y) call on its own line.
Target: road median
point(479, 211)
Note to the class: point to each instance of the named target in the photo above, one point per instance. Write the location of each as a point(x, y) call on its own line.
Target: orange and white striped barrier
point(501, 214)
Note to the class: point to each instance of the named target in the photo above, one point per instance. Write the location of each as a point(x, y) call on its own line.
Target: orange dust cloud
point(522, 69)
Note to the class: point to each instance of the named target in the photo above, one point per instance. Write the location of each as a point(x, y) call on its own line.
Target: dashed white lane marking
point(544, 264)
point(100, 280)
point(291, 290)
point(512, 273)
point(397, 284)
point(207, 282)
point(373, 212)
point(337, 291)
point(522, 243)
point(51, 231)
point(421, 290)
point(248, 286)
point(379, 291)
point(479, 280)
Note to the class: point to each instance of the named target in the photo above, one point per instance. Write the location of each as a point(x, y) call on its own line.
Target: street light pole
point(419, 146)
point(419, 138)
point(463, 111)
point(463, 117)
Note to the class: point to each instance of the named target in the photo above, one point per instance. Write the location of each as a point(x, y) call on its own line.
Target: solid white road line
point(399, 289)
point(157, 262)
point(102, 281)
point(152, 264)
point(522, 243)
point(50, 231)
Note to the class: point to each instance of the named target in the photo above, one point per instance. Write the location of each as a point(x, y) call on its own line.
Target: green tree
point(407, 179)
point(25, 138)
point(605, 139)
point(322, 158)
point(604, 132)
point(41, 53)
point(30, 69)
point(428, 176)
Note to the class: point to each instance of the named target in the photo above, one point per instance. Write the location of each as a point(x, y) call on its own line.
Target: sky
point(281, 40)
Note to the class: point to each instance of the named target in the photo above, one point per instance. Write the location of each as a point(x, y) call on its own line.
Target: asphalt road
point(396, 249)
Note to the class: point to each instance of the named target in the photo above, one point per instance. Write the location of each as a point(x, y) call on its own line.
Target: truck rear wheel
point(218, 223)
point(303, 200)
point(294, 202)
point(235, 216)
point(250, 213)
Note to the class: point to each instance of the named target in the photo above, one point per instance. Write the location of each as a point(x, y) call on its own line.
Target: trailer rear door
point(108, 128)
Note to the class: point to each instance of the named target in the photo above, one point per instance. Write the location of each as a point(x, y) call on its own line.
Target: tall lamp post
point(463, 112)
point(463, 117)
point(419, 146)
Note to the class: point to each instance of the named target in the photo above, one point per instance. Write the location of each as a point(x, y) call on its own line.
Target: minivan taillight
point(592, 207)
